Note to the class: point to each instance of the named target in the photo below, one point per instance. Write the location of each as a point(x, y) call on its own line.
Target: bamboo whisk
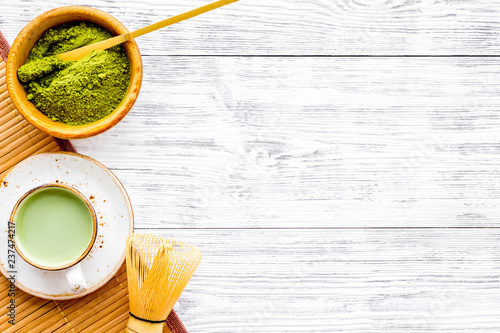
point(158, 270)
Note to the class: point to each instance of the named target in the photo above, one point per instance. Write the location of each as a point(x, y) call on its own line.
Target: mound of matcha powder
point(75, 92)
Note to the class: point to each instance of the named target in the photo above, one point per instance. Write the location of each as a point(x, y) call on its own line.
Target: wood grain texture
point(294, 27)
point(342, 281)
point(327, 193)
point(291, 142)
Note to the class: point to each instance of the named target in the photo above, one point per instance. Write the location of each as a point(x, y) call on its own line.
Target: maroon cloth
point(4, 47)
point(65, 145)
point(175, 324)
point(173, 321)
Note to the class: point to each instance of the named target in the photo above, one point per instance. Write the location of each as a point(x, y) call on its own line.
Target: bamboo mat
point(105, 310)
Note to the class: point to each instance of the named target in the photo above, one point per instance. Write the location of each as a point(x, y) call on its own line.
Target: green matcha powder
point(75, 92)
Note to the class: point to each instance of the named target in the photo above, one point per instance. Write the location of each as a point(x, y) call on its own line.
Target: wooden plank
point(293, 27)
point(438, 280)
point(335, 144)
point(239, 142)
point(423, 280)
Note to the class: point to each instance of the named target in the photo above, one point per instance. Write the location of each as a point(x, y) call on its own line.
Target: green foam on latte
point(54, 226)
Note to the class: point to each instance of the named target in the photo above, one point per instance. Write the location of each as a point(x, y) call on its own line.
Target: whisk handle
point(135, 325)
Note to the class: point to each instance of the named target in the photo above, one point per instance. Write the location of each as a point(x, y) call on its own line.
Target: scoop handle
point(106, 44)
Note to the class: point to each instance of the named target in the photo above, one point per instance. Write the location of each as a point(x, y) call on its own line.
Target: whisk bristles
point(158, 270)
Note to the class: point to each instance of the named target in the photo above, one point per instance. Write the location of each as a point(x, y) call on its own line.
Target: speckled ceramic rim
point(94, 226)
point(122, 259)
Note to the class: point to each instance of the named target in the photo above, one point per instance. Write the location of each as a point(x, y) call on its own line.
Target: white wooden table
point(336, 161)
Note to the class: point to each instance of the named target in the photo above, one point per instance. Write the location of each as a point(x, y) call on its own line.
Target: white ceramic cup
point(72, 269)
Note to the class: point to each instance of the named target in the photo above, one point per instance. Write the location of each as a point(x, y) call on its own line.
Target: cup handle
point(76, 279)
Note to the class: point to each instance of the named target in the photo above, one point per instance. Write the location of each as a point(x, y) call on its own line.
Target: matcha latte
point(53, 226)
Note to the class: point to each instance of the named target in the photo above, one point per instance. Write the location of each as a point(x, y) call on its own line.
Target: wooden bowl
point(28, 37)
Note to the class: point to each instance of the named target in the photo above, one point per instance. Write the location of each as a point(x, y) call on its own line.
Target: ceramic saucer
point(110, 201)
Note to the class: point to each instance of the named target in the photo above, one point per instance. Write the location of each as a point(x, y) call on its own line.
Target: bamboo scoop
point(158, 270)
point(106, 44)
